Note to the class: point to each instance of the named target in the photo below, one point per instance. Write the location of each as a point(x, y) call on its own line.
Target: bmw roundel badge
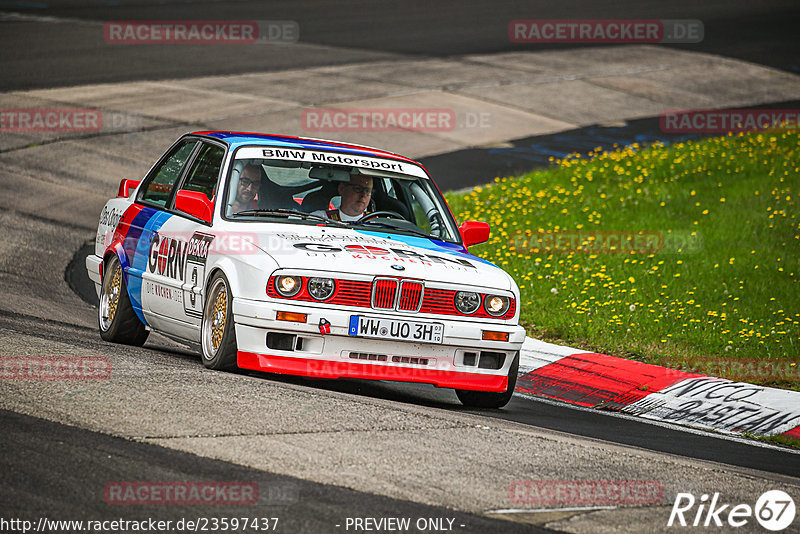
point(398, 267)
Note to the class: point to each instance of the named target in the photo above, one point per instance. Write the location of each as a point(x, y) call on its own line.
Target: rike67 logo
point(774, 510)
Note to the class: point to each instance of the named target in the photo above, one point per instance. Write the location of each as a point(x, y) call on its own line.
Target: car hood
point(339, 250)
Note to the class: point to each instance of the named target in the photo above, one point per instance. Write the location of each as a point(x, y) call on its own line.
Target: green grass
point(713, 272)
point(778, 439)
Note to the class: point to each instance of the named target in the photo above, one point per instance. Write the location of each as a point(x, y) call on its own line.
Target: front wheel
point(490, 399)
point(218, 335)
point(117, 321)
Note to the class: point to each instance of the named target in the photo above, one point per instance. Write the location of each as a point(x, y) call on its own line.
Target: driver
point(246, 190)
point(356, 195)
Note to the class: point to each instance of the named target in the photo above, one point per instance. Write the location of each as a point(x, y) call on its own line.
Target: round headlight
point(288, 286)
point(321, 288)
point(496, 305)
point(467, 302)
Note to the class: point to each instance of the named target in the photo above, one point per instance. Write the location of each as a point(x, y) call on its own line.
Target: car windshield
point(316, 192)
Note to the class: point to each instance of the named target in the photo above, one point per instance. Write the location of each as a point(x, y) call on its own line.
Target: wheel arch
point(244, 277)
point(114, 250)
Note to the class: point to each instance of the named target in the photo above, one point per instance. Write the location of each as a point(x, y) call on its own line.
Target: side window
point(202, 176)
point(163, 179)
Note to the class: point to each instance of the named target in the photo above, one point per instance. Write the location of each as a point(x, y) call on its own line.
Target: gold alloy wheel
point(219, 317)
point(112, 289)
point(215, 318)
point(113, 296)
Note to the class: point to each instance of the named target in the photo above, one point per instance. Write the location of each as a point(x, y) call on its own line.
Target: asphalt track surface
point(73, 467)
point(63, 468)
point(762, 32)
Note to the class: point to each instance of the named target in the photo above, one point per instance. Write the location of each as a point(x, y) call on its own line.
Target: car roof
point(237, 139)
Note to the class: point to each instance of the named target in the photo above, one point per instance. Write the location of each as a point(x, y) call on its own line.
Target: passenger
point(249, 183)
point(355, 195)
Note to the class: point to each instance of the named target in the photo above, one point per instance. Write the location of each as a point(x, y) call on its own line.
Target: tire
point(490, 399)
point(116, 319)
point(217, 332)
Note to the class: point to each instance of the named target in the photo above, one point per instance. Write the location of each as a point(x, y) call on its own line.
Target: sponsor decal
point(388, 254)
point(313, 156)
point(722, 404)
point(180, 260)
point(338, 159)
point(196, 258)
point(110, 217)
point(167, 257)
point(161, 291)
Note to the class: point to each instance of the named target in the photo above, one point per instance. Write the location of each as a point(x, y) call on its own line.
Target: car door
point(179, 249)
point(153, 199)
point(193, 236)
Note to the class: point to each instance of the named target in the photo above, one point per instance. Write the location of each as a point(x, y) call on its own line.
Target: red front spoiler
point(344, 369)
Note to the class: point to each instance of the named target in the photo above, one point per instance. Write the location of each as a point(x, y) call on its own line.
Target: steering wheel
point(375, 214)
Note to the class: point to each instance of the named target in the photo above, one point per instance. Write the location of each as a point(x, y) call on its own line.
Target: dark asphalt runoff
point(59, 472)
point(75, 52)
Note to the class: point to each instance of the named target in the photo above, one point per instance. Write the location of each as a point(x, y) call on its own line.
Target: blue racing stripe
point(143, 227)
point(449, 249)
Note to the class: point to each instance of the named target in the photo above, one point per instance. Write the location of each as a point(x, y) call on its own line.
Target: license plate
point(394, 329)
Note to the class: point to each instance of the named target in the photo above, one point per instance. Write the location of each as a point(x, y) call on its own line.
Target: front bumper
point(454, 363)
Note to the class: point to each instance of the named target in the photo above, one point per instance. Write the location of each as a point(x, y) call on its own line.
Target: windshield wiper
point(291, 213)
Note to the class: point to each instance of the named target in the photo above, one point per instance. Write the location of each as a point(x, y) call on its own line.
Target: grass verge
point(686, 256)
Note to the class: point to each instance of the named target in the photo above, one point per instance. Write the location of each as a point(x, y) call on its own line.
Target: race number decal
point(196, 257)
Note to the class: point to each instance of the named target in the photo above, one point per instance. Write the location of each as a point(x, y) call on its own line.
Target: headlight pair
point(468, 302)
point(319, 288)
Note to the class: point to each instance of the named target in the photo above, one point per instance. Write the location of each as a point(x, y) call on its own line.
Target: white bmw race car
point(242, 243)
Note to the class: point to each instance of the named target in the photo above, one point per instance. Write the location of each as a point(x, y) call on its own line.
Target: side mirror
point(474, 233)
point(126, 186)
point(195, 204)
